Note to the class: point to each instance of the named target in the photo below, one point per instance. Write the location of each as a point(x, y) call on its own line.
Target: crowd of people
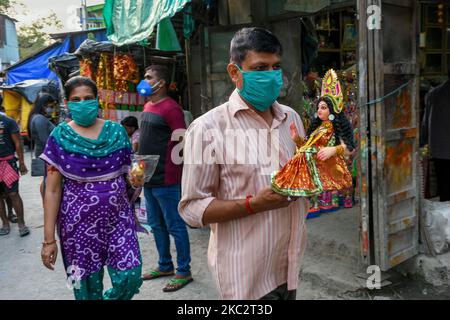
point(85, 162)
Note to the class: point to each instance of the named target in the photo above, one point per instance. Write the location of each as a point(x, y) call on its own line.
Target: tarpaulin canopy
point(19, 98)
point(36, 67)
point(29, 89)
point(65, 65)
point(131, 21)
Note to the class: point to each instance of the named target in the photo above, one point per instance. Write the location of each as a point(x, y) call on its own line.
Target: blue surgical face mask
point(83, 112)
point(145, 89)
point(261, 88)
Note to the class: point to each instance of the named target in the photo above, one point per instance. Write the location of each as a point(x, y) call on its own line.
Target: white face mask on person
point(49, 110)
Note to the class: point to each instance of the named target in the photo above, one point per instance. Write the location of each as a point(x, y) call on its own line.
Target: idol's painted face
point(323, 111)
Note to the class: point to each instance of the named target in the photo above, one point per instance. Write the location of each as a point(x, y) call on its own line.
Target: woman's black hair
point(42, 100)
point(79, 81)
point(342, 127)
point(130, 121)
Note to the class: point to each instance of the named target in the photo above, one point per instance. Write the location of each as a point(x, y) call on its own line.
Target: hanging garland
point(105, 81)
point(125, 70)
point(87, 69)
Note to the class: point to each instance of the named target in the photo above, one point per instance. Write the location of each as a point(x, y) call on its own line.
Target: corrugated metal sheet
point(9, 52)
point(2, 31)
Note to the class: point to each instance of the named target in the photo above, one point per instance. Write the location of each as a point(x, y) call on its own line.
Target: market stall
point(117, 71)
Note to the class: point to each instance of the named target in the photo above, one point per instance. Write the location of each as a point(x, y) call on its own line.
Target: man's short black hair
point(256, 39)
point(161, 71)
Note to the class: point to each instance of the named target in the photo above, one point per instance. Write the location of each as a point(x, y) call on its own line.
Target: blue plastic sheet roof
point(36, 67)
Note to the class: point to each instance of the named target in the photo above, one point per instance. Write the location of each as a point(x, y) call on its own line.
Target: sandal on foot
point(176, 284)
point(12, 217)
point(4, 231)
point(24, 231)
point(156, 274)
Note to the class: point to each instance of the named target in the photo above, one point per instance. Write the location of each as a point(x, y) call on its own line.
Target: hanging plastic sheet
point(37, 67)
point(91, 47)
point(131, 21)
point(188, 22)
point(19, 98)
point(166, 37)
point(29, 89)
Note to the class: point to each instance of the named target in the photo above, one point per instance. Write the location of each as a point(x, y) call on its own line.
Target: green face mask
point(83, 112)
point(261, 88)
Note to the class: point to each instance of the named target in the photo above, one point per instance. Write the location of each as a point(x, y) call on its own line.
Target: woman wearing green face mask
point(40, 127)
point(91, 211)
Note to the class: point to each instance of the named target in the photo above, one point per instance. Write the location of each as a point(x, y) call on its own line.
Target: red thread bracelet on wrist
point(247, 205)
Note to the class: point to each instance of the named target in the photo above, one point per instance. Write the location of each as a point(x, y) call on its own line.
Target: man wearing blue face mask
point(161, 117)
point(257, 236)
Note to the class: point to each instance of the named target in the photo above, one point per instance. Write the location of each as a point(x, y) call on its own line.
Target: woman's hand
point(136, 182)
point(52, 201)
point(326, 153)
point(139, 226)
point(49, 253)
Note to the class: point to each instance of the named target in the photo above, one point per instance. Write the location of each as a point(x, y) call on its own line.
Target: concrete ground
point(327, 271)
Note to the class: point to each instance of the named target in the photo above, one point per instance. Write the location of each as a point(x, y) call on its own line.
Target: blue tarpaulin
point(36, 67)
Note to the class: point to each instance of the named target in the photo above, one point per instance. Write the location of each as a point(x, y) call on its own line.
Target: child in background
point(131, 125)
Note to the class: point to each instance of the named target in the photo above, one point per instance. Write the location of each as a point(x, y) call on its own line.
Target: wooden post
point(378, 139)
point(363, 163)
